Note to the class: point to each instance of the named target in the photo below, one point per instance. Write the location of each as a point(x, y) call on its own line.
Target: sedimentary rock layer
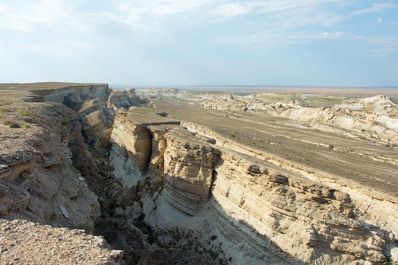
point(273, 206)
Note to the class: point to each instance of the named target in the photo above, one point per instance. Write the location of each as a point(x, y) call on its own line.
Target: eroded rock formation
point(167, 190)
point(273, 208)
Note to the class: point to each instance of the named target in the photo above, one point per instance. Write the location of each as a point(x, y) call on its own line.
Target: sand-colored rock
point(124, 99)
point(132, 141)
point(72, 94)
point(38, 180)
point(188, 170)
point(221, 183)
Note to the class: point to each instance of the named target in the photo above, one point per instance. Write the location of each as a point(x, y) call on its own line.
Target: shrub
point(331, 146)
point(11, 124)
point(26, 125)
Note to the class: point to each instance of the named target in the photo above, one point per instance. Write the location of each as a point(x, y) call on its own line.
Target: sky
point(200, 42)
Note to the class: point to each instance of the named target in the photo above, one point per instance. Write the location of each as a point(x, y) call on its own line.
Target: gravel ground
point(24, 242)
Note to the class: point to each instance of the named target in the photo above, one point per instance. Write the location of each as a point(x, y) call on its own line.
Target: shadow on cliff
point(264, 249)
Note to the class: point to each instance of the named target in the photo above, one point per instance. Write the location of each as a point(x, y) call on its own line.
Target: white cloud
point(142, 13)
point(380, 19)
point(332, 35)
point(375, 8)
point(267, 6)
point(32, 16)
point(232, 9)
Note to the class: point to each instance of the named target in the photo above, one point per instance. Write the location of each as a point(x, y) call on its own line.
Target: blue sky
point(200, 42)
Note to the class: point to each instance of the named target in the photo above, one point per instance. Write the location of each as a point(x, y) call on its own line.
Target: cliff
point(39, 181)
point(254, 202)
point(172, 182)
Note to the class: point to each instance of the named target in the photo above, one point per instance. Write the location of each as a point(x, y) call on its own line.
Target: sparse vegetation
point(11, 123)
point(306, 100)
point(322, 101)
point(233, 134)
point(26, 125)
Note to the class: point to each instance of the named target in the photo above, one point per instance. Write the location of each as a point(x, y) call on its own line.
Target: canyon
point(162, 176)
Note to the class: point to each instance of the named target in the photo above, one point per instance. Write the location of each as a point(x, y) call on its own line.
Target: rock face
point(185, 163)
point(124, 99)
point(132, 141)
point(170, 188)
point(188, 170)
point(274, 212)
point(281, 206)
point(38, 181)
point(73, 94)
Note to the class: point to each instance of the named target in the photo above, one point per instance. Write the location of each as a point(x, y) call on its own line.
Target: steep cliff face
point(265, 211)
point(38, 180)
point(72, 94)
point(161, 146)
point(311, 222)
point(170, 188)
point(188, 170)
point(124, 99)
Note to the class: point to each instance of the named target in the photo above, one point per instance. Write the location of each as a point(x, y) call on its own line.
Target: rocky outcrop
point(259, 203)
point(188, 170)
point(185, 164)
point(73, 94)
point(132, 141)
point(124, 99)
point(169, 188)
point(281, 206)
point(38, 181)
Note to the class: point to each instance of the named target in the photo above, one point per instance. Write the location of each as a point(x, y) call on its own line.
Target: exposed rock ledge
point(254, 204)
point(39, 183)
point(183, 191)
